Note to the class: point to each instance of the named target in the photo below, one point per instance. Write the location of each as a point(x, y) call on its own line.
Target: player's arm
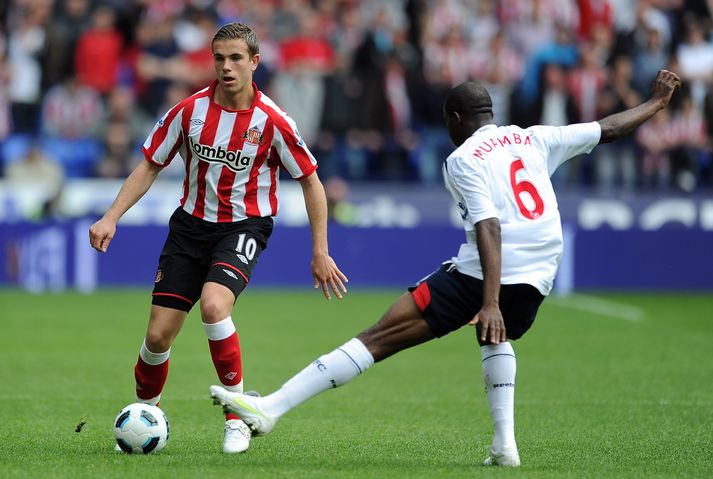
point(135, 186)
point(492, 326)
point(620, 124)
point(324, 270)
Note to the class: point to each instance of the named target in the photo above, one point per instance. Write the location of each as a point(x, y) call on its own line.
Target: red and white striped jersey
point(231, 157)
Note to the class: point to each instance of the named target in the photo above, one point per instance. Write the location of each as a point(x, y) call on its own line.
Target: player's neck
point(240, 100)
point(480, 122)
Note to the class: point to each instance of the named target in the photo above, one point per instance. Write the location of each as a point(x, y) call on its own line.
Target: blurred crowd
point(83, 81)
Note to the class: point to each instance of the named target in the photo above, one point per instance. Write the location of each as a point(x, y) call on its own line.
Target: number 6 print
point(525, 186)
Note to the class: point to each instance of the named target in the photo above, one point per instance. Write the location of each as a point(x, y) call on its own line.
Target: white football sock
point(329, 371)
point(499, 368)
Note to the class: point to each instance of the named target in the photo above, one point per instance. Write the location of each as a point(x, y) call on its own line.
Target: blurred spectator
point(594, 14)
point(649, 17)
point(563, 51)
point(695, 60)
point(706, 172)
point(655, 139)
point(5, 119)
point(624, 14)
point(120, 154)
point(71, 115)
point(72, 18)
point(285, 21)
point(121, 106)
point(306, 58)
point(538, 25)
point(498, 67)
point(555, 106)
point(484, 24)
point(38, 170)
point(25, 42)
point(339, 209)
point(99, 51)
point(648, 61)
point(443, 57)
point(688, 153)
point(158, 62)
point(176, 93)
point(71, 110)
point(194, 36)
point(615, 163)
point(586, 82)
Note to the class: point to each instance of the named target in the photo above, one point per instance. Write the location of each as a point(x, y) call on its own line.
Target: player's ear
point(254, 60)
point(453, 118)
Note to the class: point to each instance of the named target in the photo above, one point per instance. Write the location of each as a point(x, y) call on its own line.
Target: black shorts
point(449, 299)
point(197, 251)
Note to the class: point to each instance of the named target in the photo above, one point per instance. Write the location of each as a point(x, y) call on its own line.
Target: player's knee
point(374, 342)
point(158, 341)
point(214, 309)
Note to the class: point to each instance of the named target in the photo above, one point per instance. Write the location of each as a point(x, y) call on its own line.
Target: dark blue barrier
point(668, 259)
point(55, 256)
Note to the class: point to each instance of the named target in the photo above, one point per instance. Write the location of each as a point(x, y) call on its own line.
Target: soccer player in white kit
point(233, 140)
point(500, 179)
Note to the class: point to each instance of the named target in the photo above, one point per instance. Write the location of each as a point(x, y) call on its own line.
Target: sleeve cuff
point(308, 173)
point(148, 158)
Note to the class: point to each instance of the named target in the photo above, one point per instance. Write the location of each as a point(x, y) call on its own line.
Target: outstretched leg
point(400, 328)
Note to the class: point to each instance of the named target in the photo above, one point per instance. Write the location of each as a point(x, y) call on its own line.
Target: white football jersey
point(504, 172)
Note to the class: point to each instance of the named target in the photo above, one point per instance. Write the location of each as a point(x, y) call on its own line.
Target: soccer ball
point(141, 428)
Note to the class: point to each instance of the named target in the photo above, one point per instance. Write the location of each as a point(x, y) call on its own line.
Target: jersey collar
point(484, 128)
point(211, 93)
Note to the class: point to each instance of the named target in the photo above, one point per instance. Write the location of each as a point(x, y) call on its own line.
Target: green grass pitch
point(608, 386)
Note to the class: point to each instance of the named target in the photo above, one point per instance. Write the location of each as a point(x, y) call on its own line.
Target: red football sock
point(150, 372)
point(225, 351)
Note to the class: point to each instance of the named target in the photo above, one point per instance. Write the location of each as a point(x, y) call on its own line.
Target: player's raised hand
point(492, 326)
point(665, 84)
point(327, 275)
point(101, 233)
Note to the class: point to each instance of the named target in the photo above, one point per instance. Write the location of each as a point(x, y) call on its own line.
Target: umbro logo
point(230, 273)
point(242, 258)
point(197, 121)
point(231, 375)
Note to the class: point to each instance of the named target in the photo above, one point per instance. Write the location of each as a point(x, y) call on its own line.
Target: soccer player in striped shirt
point(500, 179)
point(233, 139)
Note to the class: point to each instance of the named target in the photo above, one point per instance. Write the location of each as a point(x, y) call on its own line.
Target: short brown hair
point(241, 31)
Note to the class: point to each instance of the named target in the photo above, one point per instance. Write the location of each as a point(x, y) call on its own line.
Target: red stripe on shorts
point(233, 268)
point(174, 296)
point(422, 296)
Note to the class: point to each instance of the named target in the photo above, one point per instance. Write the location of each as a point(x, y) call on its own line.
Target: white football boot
point(245, 406)
point(506, 457)
point(237, 436)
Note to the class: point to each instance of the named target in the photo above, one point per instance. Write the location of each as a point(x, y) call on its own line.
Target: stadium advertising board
point(381, 236)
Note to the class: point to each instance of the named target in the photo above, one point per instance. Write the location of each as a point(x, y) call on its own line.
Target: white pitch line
point(600, 306)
